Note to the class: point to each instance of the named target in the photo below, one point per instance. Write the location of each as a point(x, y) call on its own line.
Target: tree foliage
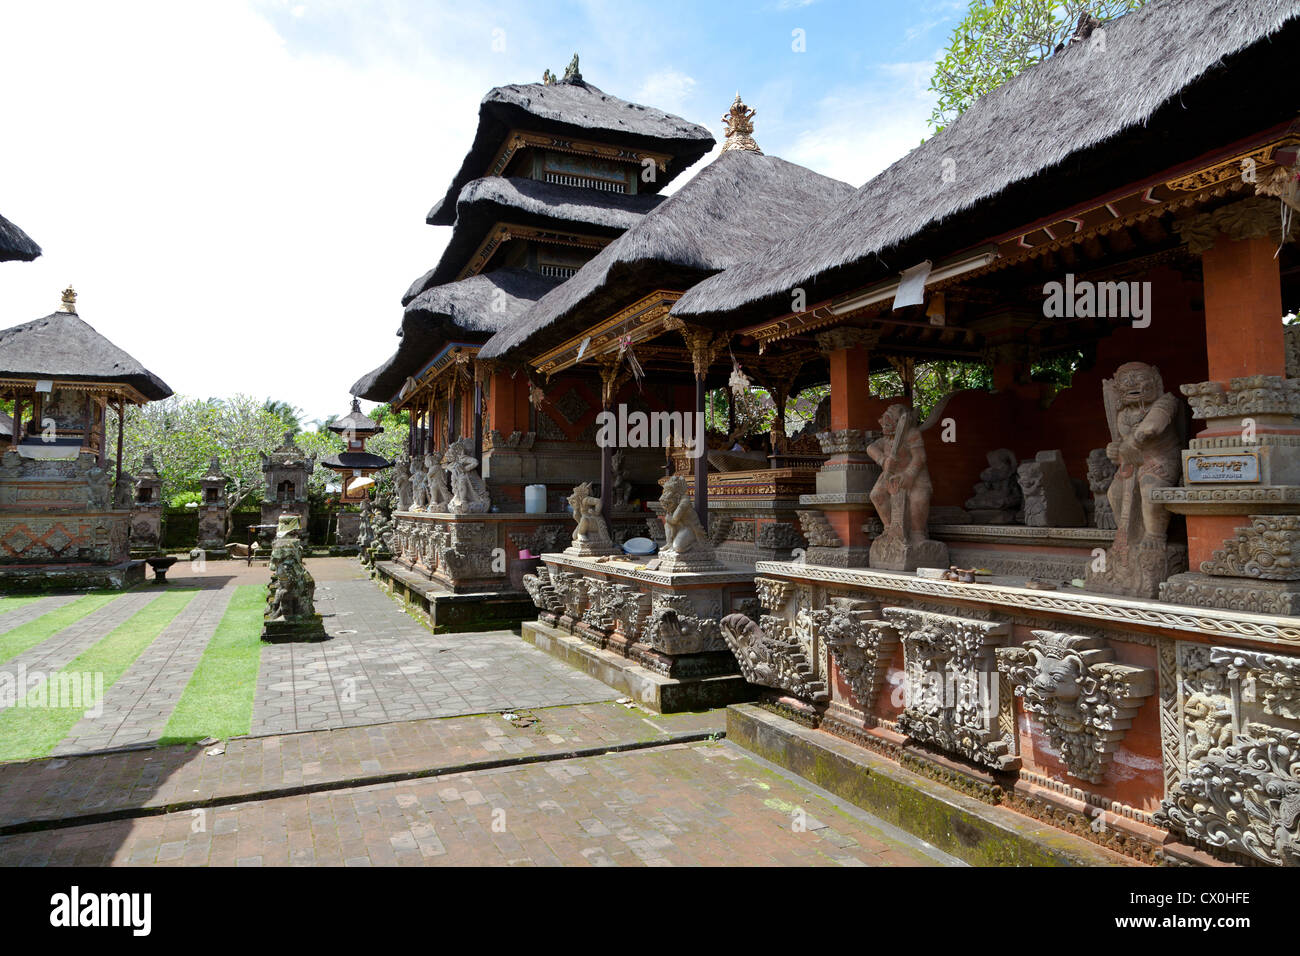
point(998, 39)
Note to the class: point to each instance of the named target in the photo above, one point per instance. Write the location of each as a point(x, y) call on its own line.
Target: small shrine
point(61, 522)
point(146, 509)
point(213, 511)
point(286, 471)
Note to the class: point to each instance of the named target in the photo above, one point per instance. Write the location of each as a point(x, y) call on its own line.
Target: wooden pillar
point(701, 459)
point(478, 421)
point(731, 412)
point(121, 423)
point(18, 420)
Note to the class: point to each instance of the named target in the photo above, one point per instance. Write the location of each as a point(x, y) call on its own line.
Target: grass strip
point(47, 714)
point(8, 604)
point(218, 700)
point(26, 636)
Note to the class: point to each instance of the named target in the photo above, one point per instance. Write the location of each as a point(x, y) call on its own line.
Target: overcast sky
point(237, 190)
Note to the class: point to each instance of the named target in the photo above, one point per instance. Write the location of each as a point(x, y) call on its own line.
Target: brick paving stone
point(597, 825)
point(79, 784)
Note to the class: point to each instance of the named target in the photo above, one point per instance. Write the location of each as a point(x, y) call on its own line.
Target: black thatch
point(731, 211)
point(574, 109)
point(16, 244)
point(1075, 122)
point(63, 346)
point(348, 460)
point(466, 311)
point(355, 422)
point(529, 202)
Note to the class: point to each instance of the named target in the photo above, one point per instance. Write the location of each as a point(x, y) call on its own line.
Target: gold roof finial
point(69, 300)
point(738, 124)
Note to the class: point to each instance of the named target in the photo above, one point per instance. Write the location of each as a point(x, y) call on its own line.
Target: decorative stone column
point(1241, 474)
point(834, 516)
point(147, 509)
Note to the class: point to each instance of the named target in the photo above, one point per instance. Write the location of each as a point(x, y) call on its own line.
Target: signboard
point(1235, 468)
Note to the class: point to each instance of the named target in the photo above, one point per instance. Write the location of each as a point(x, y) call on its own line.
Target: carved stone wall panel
point(1240, 789)
point(951, 683)
point(1084, 701)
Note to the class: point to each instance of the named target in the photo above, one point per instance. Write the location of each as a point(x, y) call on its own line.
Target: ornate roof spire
point(571, 74)
point(69, 300)
point(738, 124)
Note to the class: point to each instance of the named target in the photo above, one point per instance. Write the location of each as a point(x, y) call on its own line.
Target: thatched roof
point(63, 346)
point(1170, 83)
point(529, 202)
point(16, 244)
point(731, 211)
point(579, 110)
point(466, 311)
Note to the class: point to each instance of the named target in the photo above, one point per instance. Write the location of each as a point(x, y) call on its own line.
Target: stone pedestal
point(349, 527)
point(665, 622)
point(58, 528)
point(1241, 491)
point(833, 517)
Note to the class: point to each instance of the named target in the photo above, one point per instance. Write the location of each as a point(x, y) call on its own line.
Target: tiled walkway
point(381, 665)
point(663, 803)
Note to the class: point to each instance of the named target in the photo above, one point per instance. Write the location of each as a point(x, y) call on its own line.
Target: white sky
point(242, 214)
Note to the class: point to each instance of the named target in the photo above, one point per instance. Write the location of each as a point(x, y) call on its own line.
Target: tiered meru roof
point(573, 108)
point(529, 202)
point(731, 211)
point(478, 305)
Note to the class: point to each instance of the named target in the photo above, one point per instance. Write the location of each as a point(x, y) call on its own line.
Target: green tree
point(289, 414)
point(998, 39)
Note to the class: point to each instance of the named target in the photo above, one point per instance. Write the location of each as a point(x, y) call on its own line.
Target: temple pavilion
point(1077, 602)
point(59, 525)
point(556, 172)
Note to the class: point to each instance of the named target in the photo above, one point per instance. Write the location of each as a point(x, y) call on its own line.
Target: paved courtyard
point(384, 745)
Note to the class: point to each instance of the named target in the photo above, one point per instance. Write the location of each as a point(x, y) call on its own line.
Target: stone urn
point(160, 563)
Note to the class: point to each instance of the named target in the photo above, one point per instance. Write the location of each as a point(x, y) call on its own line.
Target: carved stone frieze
point(1268, 548)
point(1245, 397)
point(1084, 700)
point(1252, 218)
point(846, 441)
point(774, 594)
point(779, 536)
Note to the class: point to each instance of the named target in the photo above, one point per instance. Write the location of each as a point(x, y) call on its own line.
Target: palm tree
point(286, 412)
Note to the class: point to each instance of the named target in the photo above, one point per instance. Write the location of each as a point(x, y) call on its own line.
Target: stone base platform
point(18, 578)
point(662, 694)
point(308, 630)
point(446, 611)
point(955, 822)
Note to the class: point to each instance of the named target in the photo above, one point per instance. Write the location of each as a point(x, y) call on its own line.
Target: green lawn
point(26, 636)
point(218, 701)
point(34, 729)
